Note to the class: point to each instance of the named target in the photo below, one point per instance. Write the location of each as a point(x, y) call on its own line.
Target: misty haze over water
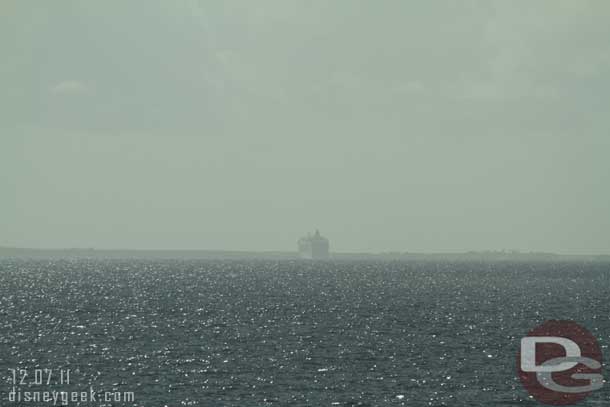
point(391, 126)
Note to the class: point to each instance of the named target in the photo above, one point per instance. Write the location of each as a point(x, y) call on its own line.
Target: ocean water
point(288, 333)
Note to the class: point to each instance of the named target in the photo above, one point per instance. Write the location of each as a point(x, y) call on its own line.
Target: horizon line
point(237, 251)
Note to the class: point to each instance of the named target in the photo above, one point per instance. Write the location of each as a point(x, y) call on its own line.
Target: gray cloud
point(70, 87)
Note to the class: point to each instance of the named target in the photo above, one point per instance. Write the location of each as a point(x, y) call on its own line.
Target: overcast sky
point(389, 125)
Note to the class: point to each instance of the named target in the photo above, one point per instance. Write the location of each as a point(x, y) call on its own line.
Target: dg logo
point(560, 363)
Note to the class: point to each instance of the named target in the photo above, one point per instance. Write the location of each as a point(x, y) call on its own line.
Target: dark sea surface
point(290, 333)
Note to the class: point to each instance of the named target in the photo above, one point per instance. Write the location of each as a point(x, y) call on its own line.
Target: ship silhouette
point(313, 246)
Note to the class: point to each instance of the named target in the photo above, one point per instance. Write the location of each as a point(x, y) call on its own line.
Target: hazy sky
point(390, 125)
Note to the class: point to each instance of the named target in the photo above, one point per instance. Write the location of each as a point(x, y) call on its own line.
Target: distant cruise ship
point(313, 246)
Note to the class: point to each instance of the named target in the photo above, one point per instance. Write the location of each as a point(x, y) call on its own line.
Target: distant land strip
point(12, 252)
